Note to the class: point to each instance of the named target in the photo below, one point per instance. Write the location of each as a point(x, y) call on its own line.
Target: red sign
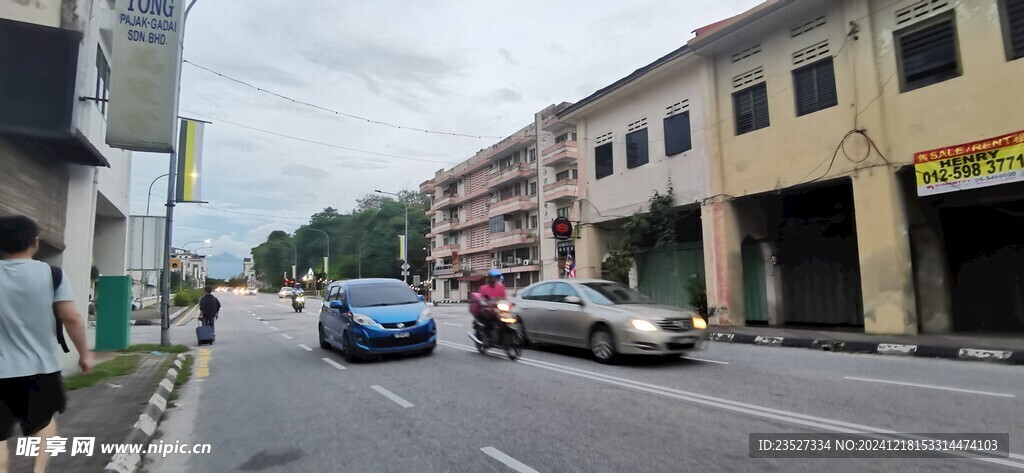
point(561, 228)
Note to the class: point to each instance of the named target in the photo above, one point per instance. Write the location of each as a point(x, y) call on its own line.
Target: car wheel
point(323, 341)
point(602, 345)
point(348, 351)
point(428, 351)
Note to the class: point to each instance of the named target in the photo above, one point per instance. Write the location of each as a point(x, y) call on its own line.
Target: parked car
point(606, 318)
point(285, 292)
point(250, 291)
point(370, 317)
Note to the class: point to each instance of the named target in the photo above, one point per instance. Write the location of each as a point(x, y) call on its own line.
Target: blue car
point(365, 318)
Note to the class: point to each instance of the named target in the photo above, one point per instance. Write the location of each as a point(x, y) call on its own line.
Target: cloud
point(507, 56)
point(506, 95)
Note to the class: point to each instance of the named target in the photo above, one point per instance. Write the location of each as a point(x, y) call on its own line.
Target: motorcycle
point(506, 334)
point(298, 303)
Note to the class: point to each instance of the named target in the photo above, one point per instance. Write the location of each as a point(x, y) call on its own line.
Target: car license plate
point(685, 339)
point(402, 335)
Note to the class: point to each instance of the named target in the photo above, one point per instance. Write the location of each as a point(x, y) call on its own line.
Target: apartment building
point(558, 187)
point(54, 163)
point(485, 214)
point(860, 163)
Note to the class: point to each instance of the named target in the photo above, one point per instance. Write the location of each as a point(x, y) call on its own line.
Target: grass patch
point(120, 366)
point(151, 347)
point(184, 374)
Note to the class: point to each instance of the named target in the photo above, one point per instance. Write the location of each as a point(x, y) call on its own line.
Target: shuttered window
point(751, 106)
point(928, 55)
point(815, 87)
point(1014, 29)
point(636, 148)
point(603, 160)
point(677, 133)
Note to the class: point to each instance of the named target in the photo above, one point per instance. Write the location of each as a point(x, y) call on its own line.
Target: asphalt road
point(271, 400)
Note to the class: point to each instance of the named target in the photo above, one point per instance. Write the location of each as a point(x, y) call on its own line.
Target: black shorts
point(31, 401)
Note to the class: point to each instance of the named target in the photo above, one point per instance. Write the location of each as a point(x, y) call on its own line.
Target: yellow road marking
point(187, 316)
point(203, 362)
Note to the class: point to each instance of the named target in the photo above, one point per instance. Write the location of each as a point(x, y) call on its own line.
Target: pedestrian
point(31, 387)
point(209, 308)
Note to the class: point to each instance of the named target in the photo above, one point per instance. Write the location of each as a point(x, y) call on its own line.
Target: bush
point(188, 296)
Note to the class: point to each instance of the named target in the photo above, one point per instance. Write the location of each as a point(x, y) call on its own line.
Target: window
point(1013, 26)
point(636, 148)
point(560, 291)
point(612, 293)
point(333, 294)
point(539, 292)
point(927, 55)
point(533, 155)
point(533, 221)
point(603, 160)
point(533, 188)
point(677, 134)
point(567, 136)
point(562, 176)
point(496, 224)
point(815, 87)
point(102, 80)
point(751, 106)
point(563, 212)
point(378, 295)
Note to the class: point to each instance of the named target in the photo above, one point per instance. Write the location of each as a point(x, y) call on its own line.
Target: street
point(272, 400)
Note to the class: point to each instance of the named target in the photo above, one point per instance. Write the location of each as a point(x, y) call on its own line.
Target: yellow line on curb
point(185, 319)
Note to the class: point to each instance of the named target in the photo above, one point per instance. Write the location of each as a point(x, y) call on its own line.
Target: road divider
point(390, 395)
point(734, 406)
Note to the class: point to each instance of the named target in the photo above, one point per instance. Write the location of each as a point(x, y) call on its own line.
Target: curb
point(890, 349)
point(92, 323)
point(143, 430)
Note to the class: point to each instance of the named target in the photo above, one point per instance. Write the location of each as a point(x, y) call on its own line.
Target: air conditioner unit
point(519, 261)
point(510, 259)
point(494, 263)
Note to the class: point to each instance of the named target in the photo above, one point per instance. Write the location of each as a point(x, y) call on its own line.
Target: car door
point(329, 316)
point(568, 322)
point(534, 309)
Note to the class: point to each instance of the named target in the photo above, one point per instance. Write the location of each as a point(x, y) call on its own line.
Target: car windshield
point(379, 295)
point(611, 293)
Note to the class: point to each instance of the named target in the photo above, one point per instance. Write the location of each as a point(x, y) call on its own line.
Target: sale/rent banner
point(983, 163)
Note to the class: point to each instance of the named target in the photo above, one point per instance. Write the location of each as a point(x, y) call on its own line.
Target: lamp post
point(359, 249)
point(405, 273)
point(142, 245)
point(327, 259)
point(295, 257)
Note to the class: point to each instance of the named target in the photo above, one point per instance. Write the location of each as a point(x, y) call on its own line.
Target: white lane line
point(507, 460)
point(333, 363)
point(273, 328)
point(453, 325)
point(305, 347)
point(264, 321)
point(930, 386)
point(735, 406)
point(392, 396)
point(289, 337)
point(705, 360)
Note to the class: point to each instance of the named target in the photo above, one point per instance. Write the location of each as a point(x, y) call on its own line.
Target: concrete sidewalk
point(968, 346)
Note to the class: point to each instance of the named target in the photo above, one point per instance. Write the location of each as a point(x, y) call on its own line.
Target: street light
point(295, 257)
point(359, 249)
point(327, 259)
point(405, 272)
point(207, 241)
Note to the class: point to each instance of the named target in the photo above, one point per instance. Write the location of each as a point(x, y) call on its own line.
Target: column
point(886, 273)
point(723, 263)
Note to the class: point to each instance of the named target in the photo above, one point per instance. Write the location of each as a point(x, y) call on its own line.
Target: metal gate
point(665, 275)
point(755, 292)
point(29, 188)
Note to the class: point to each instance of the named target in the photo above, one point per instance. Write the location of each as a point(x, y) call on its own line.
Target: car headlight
point(643, 325)
point(424, 317)
point(699, 323)
point(365, 321)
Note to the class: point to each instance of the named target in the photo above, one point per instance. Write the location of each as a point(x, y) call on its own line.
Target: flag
point(190, 160)
point(570, 267)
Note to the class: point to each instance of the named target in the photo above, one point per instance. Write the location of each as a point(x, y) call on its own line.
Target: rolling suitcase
point(204, 334)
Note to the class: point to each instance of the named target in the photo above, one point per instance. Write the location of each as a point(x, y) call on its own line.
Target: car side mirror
point(337, 305)
point(422, 299)
point(573, 300)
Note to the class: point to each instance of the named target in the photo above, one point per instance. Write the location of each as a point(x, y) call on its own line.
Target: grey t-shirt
point(28, 344)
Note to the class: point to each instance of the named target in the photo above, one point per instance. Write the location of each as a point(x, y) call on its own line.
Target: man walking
point(31, 389)
point(209, 307)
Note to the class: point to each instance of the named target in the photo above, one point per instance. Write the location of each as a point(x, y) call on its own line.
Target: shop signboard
point(983, 163)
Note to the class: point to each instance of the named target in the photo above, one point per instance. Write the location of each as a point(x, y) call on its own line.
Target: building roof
point(708, 34)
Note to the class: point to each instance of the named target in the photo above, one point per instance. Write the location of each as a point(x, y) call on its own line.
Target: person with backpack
point(36, 305)
point(209, 307)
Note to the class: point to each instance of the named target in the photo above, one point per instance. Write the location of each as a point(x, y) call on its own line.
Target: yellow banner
point(983, 163)
point(190, 161)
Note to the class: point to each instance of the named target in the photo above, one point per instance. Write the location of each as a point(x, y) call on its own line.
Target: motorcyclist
point(491, 292)
point(296, 293)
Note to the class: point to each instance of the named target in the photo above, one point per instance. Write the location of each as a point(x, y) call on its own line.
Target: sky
point(476, 67)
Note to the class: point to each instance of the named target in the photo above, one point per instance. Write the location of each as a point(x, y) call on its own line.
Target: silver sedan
point(606, 318)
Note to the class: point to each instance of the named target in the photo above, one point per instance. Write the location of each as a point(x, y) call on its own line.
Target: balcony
point(444, 251)
point(511, 173)
point(443, 226)
point(521, 203)
point(511, 143)
point(472, 195)
point(522, 236)
point(560, 190)
point(443, 202)
point(470, 222)
point(560, 153)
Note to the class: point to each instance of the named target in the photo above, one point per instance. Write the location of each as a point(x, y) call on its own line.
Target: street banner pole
point(165, 279)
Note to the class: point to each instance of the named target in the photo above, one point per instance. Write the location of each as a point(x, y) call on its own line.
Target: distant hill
point(224, 266)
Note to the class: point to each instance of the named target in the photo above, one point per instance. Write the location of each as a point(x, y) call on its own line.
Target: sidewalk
point(969, 346)
point(107, 411)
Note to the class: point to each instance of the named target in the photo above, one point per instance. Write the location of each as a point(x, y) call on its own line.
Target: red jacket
point(495, 292)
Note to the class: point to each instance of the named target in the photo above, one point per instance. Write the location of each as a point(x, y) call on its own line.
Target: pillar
point(883, 246)
point(722, 262)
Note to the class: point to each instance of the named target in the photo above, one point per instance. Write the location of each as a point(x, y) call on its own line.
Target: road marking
point(258, 306)
point(392, 396)
point(705, 360)
point(203, 362)
point(273, 328)
point(507, 460)
point(333, 363)
point(304, 347)
point(735, 406)
point(929, 386)
point(187, 317)
point(453, 325)
point(264, 321)
point(289, 337)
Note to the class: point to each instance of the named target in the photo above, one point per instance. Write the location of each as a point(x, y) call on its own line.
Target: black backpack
point(58, 276)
